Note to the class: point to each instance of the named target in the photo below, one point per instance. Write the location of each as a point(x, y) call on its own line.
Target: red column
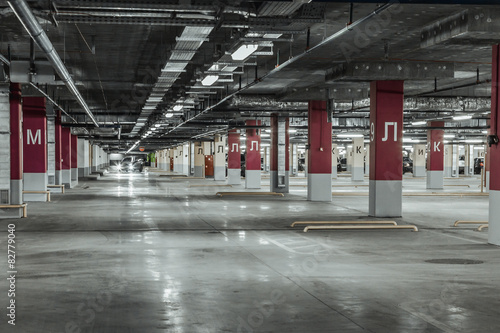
point(386, 148)
point(74, 158)
point(252, 160)
point(279, 183)
point(58, 155)
point(66, 156)
point(319, 164)
point(35, 139)
point(435, 155)
point(233, 158)
point(34, 148)
point(494, 153)
point(16, 145)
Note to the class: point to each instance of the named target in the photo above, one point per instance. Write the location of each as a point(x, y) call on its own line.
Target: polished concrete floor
point(152, 253)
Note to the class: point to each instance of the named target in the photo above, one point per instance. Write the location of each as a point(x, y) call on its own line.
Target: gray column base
point(234, 176)
point(386, 198)
point(74, 175)
point(419, 171)
point(274, 182)
point(51, 179)
point(35, 182)
point(487, 187)
point(494, 218)
point(184, 169)
point(358, 174)
point(16, 191)
point(252, 179)
point(81, 172)
point(220, 173)
point(448, 171)
point(93, 169)
point(367, 169)
point(319, 187)
point(58, 177)
point(11, 213)
point(435, 180)
point(334, 172)
point(198, 171)
point(66, 178)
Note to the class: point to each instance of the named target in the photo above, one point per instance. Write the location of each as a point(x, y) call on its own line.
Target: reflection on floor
point(148, 253)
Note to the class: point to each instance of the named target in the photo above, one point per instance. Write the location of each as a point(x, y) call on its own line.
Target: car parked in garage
point(131, 164)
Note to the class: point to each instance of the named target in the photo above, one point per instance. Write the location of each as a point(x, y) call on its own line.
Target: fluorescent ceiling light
point(169, 114)
point(292, 131)
point(209, 80)
point(177, 107)
point(214, 67)
point(411, 140)
point(244, 51)
point(416, 123)
point(157, 125)
point(265, 135)
point(271, 36)
point(449, 135)
point(474, 141)
point(484, 132)
point(350, 135)
point(462, 117)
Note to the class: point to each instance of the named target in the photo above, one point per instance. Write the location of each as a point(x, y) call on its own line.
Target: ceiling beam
point(389, 70)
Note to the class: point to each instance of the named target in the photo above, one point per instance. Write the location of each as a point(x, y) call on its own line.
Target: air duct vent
point(4, 197)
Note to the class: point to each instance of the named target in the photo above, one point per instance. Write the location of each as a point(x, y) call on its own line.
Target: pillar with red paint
point(280, 159)
point(386, 148)
point(58, 152)
point(494, 152)
point(74, 160)
point(435, 155)
point(66, 157)
point(233, 158)
point(16, 146)
point(34, 149)
point(319, 154)
point(252, 159)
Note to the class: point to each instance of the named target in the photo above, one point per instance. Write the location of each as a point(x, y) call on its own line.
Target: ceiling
point(140, 65)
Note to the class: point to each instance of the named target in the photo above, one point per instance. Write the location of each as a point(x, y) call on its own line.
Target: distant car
point(478, 165)
point(302, 163)
point(407, 165)
point(131, 164)
point(461, 164)
point(343, 164)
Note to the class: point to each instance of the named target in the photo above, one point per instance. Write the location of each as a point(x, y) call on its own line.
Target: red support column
point(386, 148)
point(74, 159)
point(34, 148)
point(58, 152)
point(233, 158)
point(280, 155)
point(435, 155)
point(16, 145)
point(252, 160)
point(319, 164)
point(494, 152)
point(66, 157)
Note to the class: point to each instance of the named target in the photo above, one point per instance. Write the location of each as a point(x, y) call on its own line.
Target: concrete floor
point(145, 253)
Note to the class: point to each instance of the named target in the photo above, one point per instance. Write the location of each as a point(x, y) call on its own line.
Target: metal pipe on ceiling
point(4, 60)
point(30, 23)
